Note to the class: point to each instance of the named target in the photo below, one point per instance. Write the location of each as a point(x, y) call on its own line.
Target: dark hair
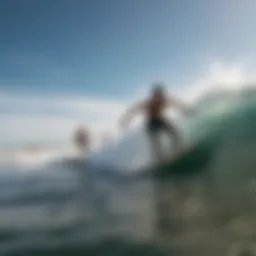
point(158, 88)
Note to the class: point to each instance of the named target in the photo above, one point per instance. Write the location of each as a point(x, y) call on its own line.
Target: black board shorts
point(154, 125)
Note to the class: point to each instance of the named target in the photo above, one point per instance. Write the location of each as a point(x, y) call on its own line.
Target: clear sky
point(62, 60)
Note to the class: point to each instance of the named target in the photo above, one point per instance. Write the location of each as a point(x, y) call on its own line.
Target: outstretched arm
point(130, 113)
point(174, 101)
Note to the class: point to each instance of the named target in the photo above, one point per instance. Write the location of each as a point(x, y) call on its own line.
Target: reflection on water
point(72, 212)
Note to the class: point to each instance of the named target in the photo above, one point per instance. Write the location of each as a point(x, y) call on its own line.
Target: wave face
point(226, 126)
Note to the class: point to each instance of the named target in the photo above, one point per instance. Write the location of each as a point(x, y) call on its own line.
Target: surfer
point(153, 108)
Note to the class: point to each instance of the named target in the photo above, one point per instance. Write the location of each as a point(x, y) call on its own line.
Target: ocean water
point(67, 207)
point(64, 207)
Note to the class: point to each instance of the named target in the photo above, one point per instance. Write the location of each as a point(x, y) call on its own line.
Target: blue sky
point(104, 53)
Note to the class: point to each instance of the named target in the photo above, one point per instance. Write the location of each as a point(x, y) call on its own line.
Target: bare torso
point(154, 108)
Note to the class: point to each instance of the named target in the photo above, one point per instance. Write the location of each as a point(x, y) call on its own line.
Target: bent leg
point(162, 209)
point(173, 133)
point(155, 147)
